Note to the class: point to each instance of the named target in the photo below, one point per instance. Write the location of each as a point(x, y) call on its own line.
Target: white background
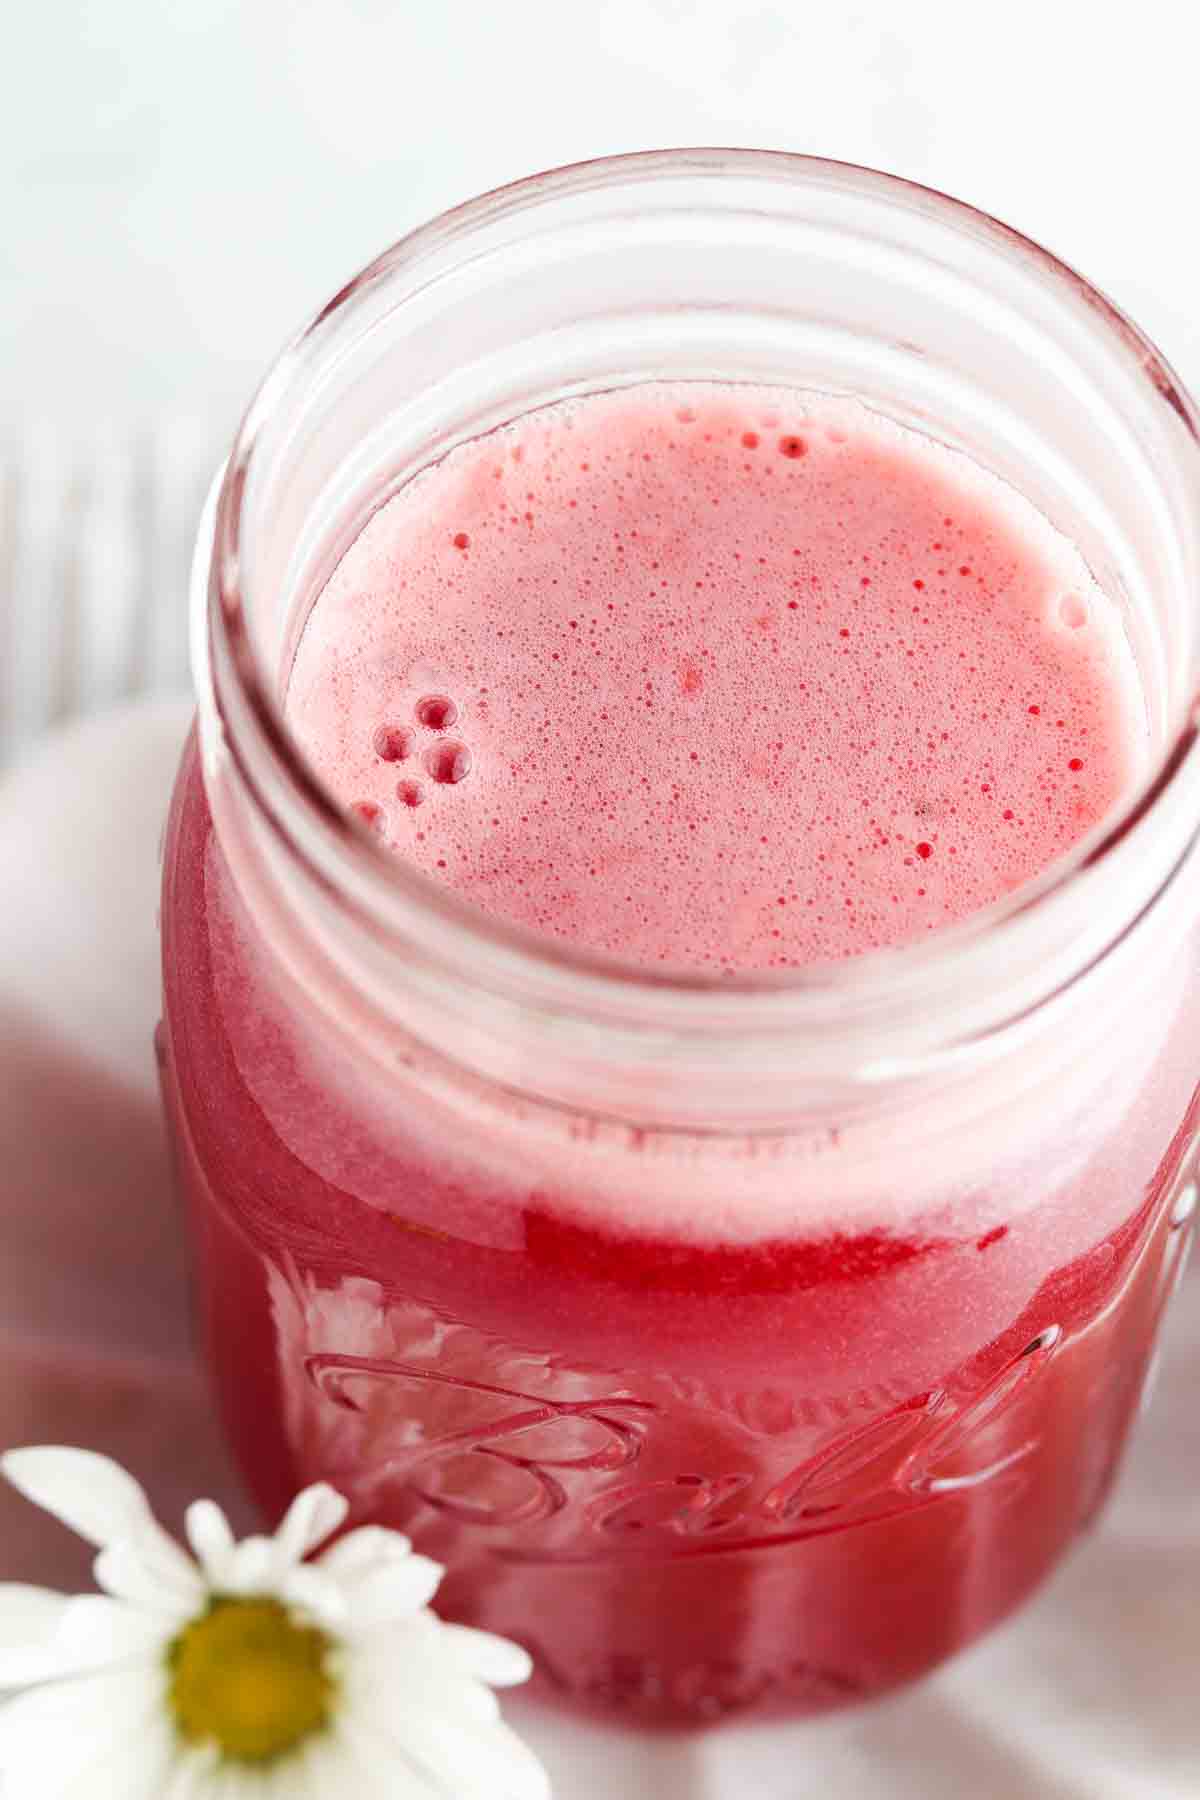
point(182, 181)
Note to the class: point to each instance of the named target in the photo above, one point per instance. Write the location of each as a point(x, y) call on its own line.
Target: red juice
point(716, 680)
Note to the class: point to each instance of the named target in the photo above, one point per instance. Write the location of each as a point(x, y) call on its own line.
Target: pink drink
point(719, 681)
point(722, 680)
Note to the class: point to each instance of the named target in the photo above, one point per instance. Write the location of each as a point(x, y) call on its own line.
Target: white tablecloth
point(1092, 1694)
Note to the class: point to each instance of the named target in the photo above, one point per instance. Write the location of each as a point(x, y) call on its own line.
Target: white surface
point(181, 184)
point(1089, 1695)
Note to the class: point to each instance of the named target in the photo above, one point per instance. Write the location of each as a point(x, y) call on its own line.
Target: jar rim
point(393, 898)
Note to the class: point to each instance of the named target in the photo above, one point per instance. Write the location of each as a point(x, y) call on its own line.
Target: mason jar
point(736, 1344)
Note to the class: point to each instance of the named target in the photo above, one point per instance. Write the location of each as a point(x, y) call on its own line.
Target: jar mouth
point(402, 905)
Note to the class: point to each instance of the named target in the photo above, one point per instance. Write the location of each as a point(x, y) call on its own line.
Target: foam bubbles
point(436, 712)
point(719, 677)
point(448, 763)
point(393, 743)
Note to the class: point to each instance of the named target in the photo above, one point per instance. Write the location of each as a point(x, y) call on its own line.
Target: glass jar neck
point(700, 265)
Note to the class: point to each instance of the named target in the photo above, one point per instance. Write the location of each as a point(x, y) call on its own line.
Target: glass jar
point(915, 1216)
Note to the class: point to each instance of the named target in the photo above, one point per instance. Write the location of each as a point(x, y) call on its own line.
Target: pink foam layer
point(724, 677)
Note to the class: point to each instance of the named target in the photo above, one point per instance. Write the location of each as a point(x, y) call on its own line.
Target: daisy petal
point(191, 1774)
point(167, 1560)
point(211, 1537)
point(250, 1568)
point(461, 1760)
point(29, 1620)
point(312, 1591)
point(28, 1614)
point(135, 1768)
point(96, 1630)
point(224, 1781)
point(367, 1547)
point(54, 1734)
point(524, 1772)
point(27, 1668)
point(149, 1570)
point(397, 1591)
point(496, 1660)
point(93, 1633)
point(379, 1769)
point(324, 1769)
point(432, 1676)
point(318, 1771)
point(313, 1516)
point(88, 1492)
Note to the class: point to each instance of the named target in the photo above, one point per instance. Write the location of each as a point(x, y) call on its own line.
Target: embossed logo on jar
point(976, 1444)
point(479, 1454)
point(496, 1457)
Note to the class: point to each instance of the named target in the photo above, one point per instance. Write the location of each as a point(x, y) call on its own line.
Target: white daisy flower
point(247, 1671)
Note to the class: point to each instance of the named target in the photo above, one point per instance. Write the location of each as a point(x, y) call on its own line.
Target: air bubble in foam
point(448, 763)
point(393, 743)
point(436, 712)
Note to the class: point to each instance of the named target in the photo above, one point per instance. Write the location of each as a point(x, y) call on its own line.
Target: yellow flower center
point(248, 1678)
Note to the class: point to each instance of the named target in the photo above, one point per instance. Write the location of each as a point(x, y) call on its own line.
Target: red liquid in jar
point(714, 679)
